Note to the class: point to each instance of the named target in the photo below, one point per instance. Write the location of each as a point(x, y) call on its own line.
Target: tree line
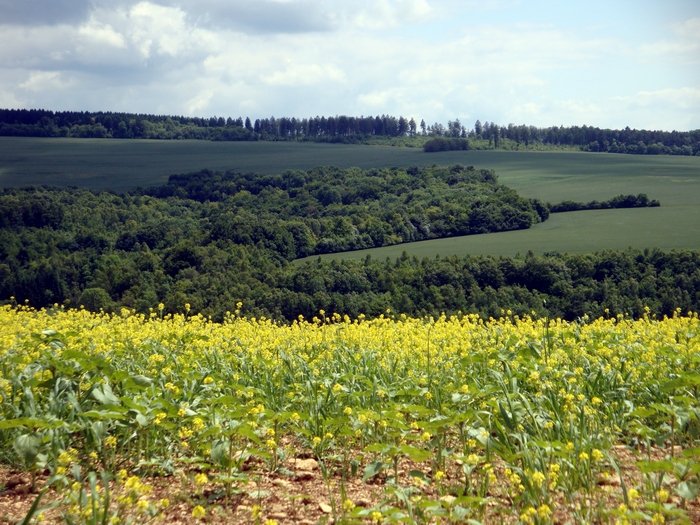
point(213, 239)
point(340, 128)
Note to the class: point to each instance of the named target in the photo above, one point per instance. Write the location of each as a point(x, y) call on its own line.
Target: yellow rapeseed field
point(399, 419)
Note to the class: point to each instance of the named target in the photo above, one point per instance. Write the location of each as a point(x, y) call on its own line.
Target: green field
point(551, 176)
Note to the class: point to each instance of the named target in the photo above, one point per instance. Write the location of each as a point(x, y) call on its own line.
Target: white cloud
point(95, 33)
point(431, 59)
point(8, 99)
point(200, 102)
point(379, 14)
point(40, 81)
point(684, 46)
point(305, 75)
point(689, 29)
point(156, 28)
point(684, 98)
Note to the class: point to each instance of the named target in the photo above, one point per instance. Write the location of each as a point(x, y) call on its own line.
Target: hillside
point(212, 239)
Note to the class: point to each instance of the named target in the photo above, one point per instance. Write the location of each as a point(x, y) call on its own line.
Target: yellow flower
point(597, 455)
point(316, 441)
point(201, 479)
point(543, 511)
point(473, 459)
point(376, 516)
point(583, 456)
point(537, 478)
point(142, 505)
point(347, 411)
point(439, 475)
point(198, 512)
point(527, 516)
point(348, 505)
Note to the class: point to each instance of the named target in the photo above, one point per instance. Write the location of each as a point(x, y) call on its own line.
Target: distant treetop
point(340, 128)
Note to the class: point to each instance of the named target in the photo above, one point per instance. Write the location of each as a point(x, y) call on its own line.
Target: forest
point(213, 239)
point(343, 129)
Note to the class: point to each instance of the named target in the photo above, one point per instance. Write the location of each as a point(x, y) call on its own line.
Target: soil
point(299, 493)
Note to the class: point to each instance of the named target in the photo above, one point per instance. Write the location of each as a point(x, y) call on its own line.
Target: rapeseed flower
point(198, 512)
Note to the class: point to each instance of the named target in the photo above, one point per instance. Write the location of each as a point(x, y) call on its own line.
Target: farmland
point(121, 165)
point(133, 418)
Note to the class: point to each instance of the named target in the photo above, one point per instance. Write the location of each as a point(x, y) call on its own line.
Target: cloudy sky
point(607, 63)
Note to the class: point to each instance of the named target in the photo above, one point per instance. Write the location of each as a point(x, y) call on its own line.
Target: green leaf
point(104, 395)
point(27, 447)
point(643, 412)
point(506, 417)
point(415, 454)
point(379, 448)
point(30, 422)
point(648, 467)
point(219, 453)
point(103, 415)
point(141, 380)
point(691, 453)
point(684, 380)
point(372, 470)
point(247, 431)
point(687, 490)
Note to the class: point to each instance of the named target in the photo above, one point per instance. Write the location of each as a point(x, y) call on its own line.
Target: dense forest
point(213, 239)
point(45, 123)
point(327, 210)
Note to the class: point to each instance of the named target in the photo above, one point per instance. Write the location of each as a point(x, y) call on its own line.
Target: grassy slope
point(550, 176)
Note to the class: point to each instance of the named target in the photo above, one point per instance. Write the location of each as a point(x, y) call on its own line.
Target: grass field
point(551, 176)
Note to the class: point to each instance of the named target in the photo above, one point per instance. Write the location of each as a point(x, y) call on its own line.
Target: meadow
point(554, 176)
point(131, 418)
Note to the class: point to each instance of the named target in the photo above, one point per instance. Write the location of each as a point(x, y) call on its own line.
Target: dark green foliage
point(212, 239)
point(589, 138)
point(621, 201)
point(445, 144)
point(338, 129)
point(327, 210)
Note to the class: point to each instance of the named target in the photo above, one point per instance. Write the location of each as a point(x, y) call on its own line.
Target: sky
point(610, 64)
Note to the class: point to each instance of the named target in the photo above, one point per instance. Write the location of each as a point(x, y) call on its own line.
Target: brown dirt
point(300, 494)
